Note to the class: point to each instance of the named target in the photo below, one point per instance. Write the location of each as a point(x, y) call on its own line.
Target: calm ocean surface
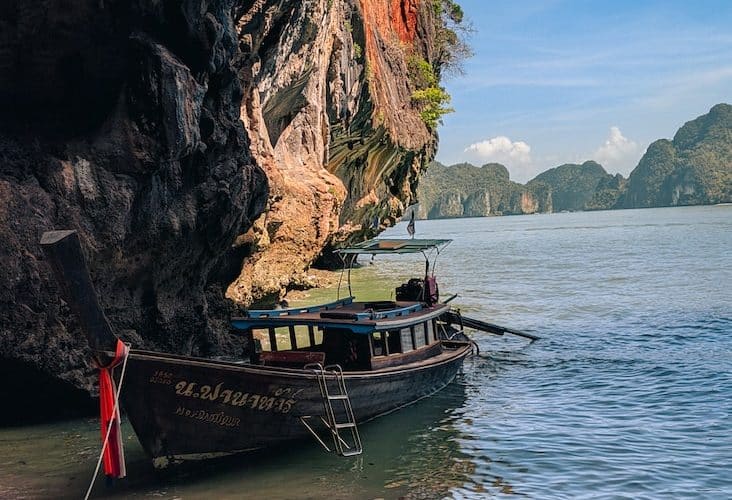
point(627, 395)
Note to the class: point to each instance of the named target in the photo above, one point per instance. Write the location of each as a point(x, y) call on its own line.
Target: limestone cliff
point(607, 193)
point(328, 107)
point(695, 168)
point(464, 190)
point(119, 119)
point(163, 130)
point(572, 185)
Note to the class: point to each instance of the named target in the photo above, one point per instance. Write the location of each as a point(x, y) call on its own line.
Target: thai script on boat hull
point(281, 402)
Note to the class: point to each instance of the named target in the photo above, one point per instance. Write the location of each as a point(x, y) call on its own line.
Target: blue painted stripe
point(246, 324)
point(275, 313)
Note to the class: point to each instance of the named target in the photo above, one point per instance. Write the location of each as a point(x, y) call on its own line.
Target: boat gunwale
point(447, 356)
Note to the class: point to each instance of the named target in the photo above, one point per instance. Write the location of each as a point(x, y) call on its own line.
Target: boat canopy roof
point(393, 246)
point(344, 314)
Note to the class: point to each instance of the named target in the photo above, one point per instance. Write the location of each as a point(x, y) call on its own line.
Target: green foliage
point(449, 8)
point(693, 169)
point(644, 184)
point(469, 191)
point(572, 186)
point(379, 118)
point(607, 193)
point(357, 51)
point(428, 95)
point(451, 32)
point(368, 73)
point(421, 73)
point(424, 76)
point(433, 103)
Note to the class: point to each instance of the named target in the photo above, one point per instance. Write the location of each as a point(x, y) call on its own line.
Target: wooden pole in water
point(64, 253)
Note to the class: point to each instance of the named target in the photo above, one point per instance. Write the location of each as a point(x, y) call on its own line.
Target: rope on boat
point(115, 417)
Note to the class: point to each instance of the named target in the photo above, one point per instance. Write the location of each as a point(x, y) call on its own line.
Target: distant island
point(695, 168)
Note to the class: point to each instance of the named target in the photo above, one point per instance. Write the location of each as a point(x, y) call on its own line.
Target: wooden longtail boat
point(318, 371)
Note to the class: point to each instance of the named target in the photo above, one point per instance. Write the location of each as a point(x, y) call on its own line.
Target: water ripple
point(629, 392)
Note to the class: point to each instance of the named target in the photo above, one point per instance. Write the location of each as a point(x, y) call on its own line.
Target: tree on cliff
point(451, 49)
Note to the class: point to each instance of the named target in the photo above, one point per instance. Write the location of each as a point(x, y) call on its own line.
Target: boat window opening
point(345, 348)
point(302, 336)
point(441, 330)
point(430, 331)
point(262, 336)
point(393, 341)
point(356, 353)
point(420, 336)
point(279, 339)
point(378, 344)
point(407, 341)
point(284, 338)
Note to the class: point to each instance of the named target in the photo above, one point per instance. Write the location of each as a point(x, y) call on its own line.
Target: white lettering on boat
point(219, 418)
point(281, 402)
point(161, 377)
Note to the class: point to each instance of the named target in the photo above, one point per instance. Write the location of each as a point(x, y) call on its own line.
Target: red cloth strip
point(114, 459)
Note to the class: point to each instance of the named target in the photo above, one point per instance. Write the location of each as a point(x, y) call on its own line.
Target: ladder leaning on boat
point(330, 420)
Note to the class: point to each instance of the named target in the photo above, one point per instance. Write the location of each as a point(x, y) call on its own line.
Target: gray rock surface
point(119, 119)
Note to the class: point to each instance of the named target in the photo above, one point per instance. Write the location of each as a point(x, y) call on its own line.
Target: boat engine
point(417, 289)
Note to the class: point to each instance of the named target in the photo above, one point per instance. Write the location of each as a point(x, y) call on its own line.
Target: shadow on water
point(412, 453)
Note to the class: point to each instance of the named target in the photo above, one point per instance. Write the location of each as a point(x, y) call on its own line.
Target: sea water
point(628, 394)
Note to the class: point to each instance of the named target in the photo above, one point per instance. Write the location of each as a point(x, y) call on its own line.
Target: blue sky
point(556, 82)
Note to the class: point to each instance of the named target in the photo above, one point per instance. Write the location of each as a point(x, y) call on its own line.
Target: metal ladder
point(340, 446)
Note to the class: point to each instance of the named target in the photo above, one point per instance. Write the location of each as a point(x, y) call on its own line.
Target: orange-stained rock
point(329, 114)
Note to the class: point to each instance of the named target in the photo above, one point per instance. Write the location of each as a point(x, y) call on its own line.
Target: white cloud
point(501, 149)
point(618, 153)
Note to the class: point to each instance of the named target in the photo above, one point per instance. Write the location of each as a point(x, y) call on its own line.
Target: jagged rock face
point(695, 168)
point(120, 119)
point(479, 203)
point(450, 204)
point(329, 112)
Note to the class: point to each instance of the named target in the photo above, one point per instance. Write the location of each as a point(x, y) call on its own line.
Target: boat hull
point(193, 408)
